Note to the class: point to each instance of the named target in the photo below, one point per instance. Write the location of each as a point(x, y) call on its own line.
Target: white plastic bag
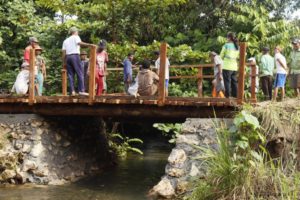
point(21, 84)
point(133, 88)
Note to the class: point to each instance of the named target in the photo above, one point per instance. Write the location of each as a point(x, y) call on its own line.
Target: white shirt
point(279, 68)
point(217, 61)
point(157, 65)
point(71, 45)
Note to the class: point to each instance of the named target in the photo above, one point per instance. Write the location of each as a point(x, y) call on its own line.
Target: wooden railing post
point(162, 75)
point(92, 73)
point(31, 77)
point(200, 82)
point(241, 78)
point(253, 83)
point(64, 73)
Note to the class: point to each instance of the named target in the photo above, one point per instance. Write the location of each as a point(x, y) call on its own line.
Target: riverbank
point(131, 179)
point(51, 150)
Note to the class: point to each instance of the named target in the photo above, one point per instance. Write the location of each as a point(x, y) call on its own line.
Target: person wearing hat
point(157, 66)
point(84, 67)
point(33, 42)
point(218, 83)
point(266, 69)
point(281, 72)
point(101, 61)
point(295, 67)
point(72, 47)
point(21, 84)
point(253, 65)
point(41, 70)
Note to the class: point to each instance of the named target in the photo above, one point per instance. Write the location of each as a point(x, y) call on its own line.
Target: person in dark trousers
point(72, 46)
point(128, 71)
point(266, 69)
point(84, 67)
point(230, 55)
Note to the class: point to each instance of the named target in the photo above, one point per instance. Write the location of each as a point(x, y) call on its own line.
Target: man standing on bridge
point(295, 67)
point(72, 46)
point(128, 71)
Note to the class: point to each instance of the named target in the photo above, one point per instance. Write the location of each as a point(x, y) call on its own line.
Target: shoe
point(83, 93)
point(73, 94)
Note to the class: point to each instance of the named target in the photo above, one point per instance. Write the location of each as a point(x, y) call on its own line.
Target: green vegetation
point(121, 145)
point(191, 28)
point(242, 167)
point(169, 130)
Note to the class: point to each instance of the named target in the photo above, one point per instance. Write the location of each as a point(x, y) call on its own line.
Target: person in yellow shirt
point(229, 54)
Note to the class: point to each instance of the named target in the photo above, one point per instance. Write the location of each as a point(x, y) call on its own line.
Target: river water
point(130, 180)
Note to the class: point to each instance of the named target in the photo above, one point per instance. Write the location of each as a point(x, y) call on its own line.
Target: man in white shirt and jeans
point(72, 46)
point(157, 66)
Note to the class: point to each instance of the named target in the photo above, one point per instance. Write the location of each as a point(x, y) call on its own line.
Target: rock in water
point(163, 189)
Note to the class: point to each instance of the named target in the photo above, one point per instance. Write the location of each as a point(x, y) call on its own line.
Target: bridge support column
point(31, 77)
point(64, 74)
point(241, 80)
point(162, 75)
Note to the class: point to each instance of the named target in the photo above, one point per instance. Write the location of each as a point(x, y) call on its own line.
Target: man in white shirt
point(157, 66)
point(72, 46)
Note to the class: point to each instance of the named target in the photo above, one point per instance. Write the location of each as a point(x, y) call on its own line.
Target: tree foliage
point(191, 28)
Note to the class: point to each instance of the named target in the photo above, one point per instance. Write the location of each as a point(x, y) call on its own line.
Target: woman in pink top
point(101, 61)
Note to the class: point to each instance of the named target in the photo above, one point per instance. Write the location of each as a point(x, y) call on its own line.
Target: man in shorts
point(295, 67)
point(281, 72)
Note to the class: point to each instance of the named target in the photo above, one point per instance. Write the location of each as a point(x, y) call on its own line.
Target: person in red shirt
point(101, 65)
point(33, 43)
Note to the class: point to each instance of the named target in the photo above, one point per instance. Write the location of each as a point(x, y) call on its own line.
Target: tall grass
point(241, 168)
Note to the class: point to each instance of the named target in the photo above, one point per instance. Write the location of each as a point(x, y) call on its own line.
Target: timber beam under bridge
point(174, 109)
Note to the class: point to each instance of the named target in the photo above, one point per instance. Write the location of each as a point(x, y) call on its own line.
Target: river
point(129, 180)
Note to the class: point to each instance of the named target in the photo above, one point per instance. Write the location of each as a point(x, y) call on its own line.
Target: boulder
point(177, 156)
point(163, 189)
point(7, 174)
point(29, 165)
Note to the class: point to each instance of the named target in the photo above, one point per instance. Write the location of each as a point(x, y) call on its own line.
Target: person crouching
point(147, 80)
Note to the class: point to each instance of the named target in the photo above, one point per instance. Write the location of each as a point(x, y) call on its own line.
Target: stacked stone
point(49, 151)
point(184, 163)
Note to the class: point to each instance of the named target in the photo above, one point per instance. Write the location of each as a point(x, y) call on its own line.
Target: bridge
point(121, 106)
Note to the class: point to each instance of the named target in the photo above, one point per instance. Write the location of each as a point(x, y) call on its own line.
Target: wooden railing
point(161, 87)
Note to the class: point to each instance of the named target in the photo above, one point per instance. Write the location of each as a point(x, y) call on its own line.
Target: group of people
point(78, 64)
point(269, 68)
point(145, 83)
point(21, 84)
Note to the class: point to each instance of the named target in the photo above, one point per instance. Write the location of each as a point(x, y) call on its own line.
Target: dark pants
point(74, 66)
point(266, 86)
point(230, 83)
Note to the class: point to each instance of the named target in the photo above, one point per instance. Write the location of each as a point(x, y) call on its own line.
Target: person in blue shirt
point(128, 71)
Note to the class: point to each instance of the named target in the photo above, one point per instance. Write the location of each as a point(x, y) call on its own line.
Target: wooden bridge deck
point(154, 108)
point(122, 107)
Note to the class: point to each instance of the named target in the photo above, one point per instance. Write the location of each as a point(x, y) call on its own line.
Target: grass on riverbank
point(242, 167)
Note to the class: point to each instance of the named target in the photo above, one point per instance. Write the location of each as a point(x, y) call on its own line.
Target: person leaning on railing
point(229, 55)
point(72, 46)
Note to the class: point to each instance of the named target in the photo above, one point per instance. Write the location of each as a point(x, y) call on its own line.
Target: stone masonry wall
point(52, 150)
point(184, 163)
